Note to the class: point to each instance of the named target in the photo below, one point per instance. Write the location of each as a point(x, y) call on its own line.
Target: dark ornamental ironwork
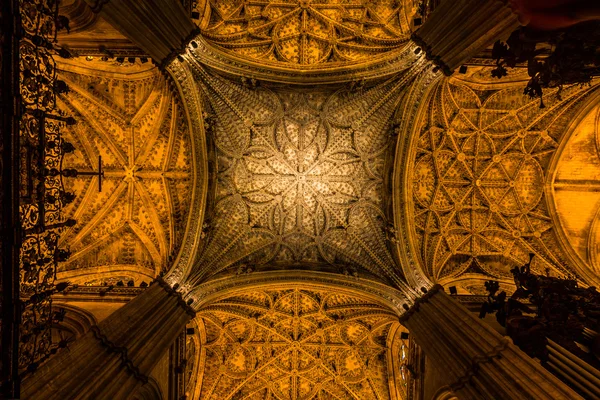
point(546, 308)
point(42, 191)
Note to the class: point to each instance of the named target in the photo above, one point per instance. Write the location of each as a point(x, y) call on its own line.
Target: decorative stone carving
point(477, 189)
point(140, 131)
point(305, 32)
point(295, 344)
point(300, 175)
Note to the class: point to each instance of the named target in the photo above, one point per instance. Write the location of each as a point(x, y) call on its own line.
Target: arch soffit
point(235, 66)
point(221, 288)
point(410, 110)
point(184, 84)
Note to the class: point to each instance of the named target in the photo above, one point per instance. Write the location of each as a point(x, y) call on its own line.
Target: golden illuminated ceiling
point(295, 344)
point(300, 176)
point(135, 225)
point(576, 192)
point(481, 164)
point(306, 32)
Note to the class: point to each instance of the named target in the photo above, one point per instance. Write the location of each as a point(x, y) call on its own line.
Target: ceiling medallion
point(300, 175)
point(295, 344)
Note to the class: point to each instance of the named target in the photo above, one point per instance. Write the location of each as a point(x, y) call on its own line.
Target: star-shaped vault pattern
point(478, 184)
point(295, 344)
point(307, 32)
point(135, 225)
point(300, 176)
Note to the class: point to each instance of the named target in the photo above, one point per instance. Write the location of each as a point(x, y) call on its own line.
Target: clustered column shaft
point(116, 357)
point(477, 362)
point(459, 29)
point(160, 27)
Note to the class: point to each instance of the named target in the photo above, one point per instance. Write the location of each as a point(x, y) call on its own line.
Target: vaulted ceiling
point(484, 156)
point(324, 152)
point(134, 225)
point(307, 32)
point(300, 176)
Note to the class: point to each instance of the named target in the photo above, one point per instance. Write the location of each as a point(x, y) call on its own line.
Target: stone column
point(159, 27)
point(477, 362)
point(116, 357)
point(459, 29)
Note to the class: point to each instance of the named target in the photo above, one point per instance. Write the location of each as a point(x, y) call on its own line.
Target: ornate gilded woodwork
point(478, 204)
point(138, 220)
point(295, 343)
point(304, 32)
point(575, 195)
point(300, 176)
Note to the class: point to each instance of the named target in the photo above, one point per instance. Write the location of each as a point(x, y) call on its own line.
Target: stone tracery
point(295, 344)
point(300, 175)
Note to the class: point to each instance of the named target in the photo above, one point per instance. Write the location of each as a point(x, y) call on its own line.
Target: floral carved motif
point(300, 176)
point(295, 344)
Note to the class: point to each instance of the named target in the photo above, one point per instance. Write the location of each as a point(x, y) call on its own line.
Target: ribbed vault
point(300, 176)
point(295, 343)
point(477, 192)
point(305, 32)
point(135, 225)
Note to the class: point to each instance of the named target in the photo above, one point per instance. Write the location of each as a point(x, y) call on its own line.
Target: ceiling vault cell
point(478, 189)
point(299, 176)
point(295, 343)
point(133, 122)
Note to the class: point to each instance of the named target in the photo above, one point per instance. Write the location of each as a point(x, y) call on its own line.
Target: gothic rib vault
point(305, 32)
point(479, 194)
point(295, 344)
point(134, 226)
point(302, 178)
